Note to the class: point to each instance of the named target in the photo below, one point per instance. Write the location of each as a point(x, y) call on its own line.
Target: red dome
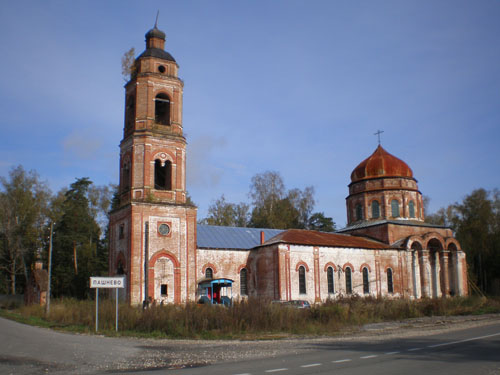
point(381, 164)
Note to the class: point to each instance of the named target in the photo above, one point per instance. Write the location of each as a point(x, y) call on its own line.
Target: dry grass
point(250, 319)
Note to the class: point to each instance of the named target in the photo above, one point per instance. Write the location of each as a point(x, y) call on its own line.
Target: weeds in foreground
point(254, 318)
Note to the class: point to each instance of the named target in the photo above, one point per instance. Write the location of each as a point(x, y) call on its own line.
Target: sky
point(297, 87)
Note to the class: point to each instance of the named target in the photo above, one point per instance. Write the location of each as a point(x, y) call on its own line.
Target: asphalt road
point(471, 351)
point(474, 350)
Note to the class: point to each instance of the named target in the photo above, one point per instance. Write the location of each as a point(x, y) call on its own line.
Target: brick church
point(386, 249)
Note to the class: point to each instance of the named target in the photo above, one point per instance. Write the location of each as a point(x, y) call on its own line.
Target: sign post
point(106, 282)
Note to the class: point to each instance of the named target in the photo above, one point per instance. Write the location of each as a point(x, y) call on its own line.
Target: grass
point(253, 319)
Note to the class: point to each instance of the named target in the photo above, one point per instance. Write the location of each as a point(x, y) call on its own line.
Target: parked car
point(299, 304)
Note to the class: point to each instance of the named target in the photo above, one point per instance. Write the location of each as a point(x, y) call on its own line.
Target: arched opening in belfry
point(130, 111)
point(163, 175)
point(162, 109)
point(434, 246)
point(126, 177)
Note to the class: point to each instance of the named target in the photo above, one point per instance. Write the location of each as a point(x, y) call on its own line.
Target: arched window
point(120, 270)
point(366, 281)
point(329, 277)
point(348, 281)
point(243, 282)
point(209, 274)
point(302, 280)
point(126, 177)
point(162, 109)
point(390, 287)
point(411, 208)
point(163, 175)
point(359, 212)
point(395, 208)
point(130, 111)
point(375, 210)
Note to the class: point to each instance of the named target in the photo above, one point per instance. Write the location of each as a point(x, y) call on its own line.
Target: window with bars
point(243, 282)
point(390, 287)
point(209, 273)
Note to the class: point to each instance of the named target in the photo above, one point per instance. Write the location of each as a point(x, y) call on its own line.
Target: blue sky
point(298, 87)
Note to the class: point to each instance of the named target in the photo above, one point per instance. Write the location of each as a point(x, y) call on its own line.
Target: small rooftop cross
point(156, 22)
point(378, 135)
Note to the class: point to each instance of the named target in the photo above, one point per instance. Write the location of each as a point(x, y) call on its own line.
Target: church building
point(155, 242)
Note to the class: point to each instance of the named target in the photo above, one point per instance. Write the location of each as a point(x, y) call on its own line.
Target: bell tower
point(153, 224)
point(153, 149)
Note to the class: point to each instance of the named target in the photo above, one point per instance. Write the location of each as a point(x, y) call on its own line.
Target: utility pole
point(47, 305)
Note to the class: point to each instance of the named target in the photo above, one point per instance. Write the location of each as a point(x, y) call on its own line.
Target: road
point(471, 351)
point(459, 349)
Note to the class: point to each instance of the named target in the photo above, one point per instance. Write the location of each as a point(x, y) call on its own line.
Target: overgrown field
point(250, 319)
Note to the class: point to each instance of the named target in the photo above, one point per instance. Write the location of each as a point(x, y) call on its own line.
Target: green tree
point(318, 221)
point(78, 251)
point(23, 209)
point(275, 207)
point(221, 212)
point(476, 223)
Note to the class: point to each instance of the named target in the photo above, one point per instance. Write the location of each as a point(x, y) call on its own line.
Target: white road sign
point(107, 282)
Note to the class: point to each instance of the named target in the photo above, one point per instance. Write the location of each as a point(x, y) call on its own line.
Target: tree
point(318, 221)
point(100, 200)
point(23, 209)
point(282, 215)
point(128, 64)
point(228, 214)
point(78, 251)
point(476, 222)
point(477, 228)
point(274, 207)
